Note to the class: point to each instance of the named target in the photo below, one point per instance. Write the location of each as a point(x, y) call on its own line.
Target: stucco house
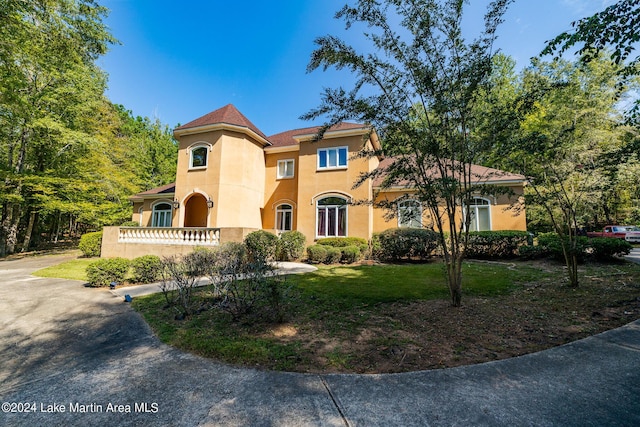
point(232, 179)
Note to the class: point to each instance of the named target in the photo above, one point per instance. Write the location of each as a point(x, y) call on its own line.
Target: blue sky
point(181, 60)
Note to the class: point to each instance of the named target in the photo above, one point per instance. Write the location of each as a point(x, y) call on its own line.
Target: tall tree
point(616, 29)
point(48, 83)
point(417, 82)
point(564, 129)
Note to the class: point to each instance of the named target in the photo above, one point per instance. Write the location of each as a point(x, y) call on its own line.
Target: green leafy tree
point(417, 80)
point(615, 29)
point(564, 129)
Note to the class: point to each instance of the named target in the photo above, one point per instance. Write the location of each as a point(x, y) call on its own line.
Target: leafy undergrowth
point(397, 318)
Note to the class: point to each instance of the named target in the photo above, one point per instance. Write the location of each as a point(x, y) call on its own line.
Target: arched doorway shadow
point(196, 211)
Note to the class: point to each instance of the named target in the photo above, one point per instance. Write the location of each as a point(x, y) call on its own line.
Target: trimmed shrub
point(104, 271)
point(290, 246)
point(341, 242)
point(316, 254)
point(261, 246)
point(495, 244)
point(551, 243)
point(130, 224)
point(406, 243)
point(146, 269)
point(532, 252)
point(607, 248)
point(334, 255)
point(91, 244)
point(350, 254)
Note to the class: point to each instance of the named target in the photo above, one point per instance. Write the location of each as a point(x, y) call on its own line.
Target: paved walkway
point(83, 351)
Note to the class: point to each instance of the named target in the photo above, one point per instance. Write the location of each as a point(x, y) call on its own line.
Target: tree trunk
point(9, 229)
point(454, 279)
point(29, 232)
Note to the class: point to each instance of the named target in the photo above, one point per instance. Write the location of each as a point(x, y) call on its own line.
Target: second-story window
point(285, 168)
point(198, 157)
point(332, 158)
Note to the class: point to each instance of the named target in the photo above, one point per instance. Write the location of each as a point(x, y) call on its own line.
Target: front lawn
point(73, 270)
point(396, 318)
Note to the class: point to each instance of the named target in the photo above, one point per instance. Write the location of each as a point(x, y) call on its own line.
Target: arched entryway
point(196, 211)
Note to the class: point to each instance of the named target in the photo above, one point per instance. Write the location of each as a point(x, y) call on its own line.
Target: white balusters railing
point(170, 236)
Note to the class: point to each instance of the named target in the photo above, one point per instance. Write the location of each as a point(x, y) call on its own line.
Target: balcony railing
point(194, 236)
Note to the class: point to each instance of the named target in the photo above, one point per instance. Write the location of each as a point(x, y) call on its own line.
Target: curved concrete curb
point(78, 357)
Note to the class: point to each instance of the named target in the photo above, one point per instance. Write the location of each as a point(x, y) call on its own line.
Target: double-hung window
point(285, 168)
point(331, 218)
point(332, 158)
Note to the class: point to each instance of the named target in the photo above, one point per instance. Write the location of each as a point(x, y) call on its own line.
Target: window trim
point(154, 210)
point(337, 208)
point(403, 225)
point(293, 169)
point(195, 147)
point(338, 166)
point(281, 209)
point(475, 208)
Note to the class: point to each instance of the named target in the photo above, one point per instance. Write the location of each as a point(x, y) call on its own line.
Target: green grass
point(340, 298)
point(393, 283)
point(73, 270)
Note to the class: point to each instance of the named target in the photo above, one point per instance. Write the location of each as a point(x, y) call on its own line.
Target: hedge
point(105, 271)
point(341, 242)
point(261, 245)
point(290, 246)
point(495, 244)
point(146, 269)
point(317, 254)
point(91, 244)
point(405, 243)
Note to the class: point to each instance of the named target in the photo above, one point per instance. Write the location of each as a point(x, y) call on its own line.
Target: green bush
point(290, 246)
point(495, 244)
point(130, 224)
point(606, 248)
point(316, 254)
point(91, 244)
point(350, 254)
point(104, 271)
point(341, 242)
point(532, 252)
point(334, 255)
point(261, 246)
point(146, 269)
point(551, 243)
point(406, 243)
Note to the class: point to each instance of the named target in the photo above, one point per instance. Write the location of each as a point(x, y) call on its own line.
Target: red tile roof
point(479, 174)
point(287, 138)
point(228, 114)
point(164, 189)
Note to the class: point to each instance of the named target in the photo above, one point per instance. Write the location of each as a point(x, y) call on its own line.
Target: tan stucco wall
point(507, 211)
point(111, 248)
point(315, 184)
point(233, 179)
point(279, 191)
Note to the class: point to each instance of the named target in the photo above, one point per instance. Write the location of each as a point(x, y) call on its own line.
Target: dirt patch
point(420, 335)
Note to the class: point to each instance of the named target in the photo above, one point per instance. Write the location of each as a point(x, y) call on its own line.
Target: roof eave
point(221, 126)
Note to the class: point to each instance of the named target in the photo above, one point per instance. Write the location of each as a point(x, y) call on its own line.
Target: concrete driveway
point(75, 356)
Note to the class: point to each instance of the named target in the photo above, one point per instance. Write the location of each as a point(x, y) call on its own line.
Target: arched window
point(198, 157)
point(331, 218)
point(480, 211)
point(409, 214)
point(161, 215)
point(284, 218)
